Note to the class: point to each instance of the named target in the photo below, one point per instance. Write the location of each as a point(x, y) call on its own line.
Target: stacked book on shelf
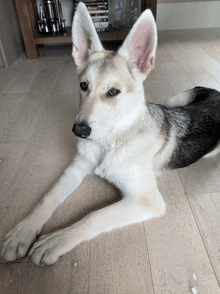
point(99, 13)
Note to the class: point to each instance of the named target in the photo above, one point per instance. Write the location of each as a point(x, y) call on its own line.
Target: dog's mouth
point(82, 130)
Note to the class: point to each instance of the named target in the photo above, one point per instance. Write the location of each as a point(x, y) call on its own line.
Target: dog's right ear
point(84, 36)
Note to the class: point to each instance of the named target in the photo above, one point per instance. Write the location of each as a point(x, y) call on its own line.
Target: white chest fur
point(130, 162)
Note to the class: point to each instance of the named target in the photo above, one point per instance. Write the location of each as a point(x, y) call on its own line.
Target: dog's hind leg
point(181, 99)
point(19, 240)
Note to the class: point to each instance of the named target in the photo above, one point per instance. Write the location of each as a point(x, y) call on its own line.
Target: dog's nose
point(82, 129)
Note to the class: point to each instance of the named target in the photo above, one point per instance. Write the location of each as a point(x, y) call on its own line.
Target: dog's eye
point(113, 92)
point(83, 86)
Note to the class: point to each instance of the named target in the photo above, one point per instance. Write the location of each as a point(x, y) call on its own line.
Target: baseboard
point(188, 15)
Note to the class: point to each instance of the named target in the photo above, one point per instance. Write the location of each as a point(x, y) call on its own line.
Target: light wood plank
point(68, 276)
point(21, 127)
point(192, 67)
point(10, 157)
point(13, 277)
point(211, 45)
point(163, 55)
point(206, 208)
point(177, 77)
point(11, 105)
point(211, 65)
point(201, 177)
point(175, 246)
point(21, 76)
point(158, 91)
point(120, 263)
point(65, 277)
point(216, 158)
point(67, 82)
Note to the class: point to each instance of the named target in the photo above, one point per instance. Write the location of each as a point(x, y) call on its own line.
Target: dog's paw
point(19, 240)
point(50, 247)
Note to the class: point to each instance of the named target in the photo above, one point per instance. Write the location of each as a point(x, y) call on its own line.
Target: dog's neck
point(137, 122)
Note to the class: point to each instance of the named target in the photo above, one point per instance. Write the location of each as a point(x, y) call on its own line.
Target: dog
point(121, 138)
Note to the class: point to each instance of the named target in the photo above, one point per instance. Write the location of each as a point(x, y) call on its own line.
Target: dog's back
point(197, 127)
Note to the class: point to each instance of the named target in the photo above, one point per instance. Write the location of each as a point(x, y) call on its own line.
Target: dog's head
point(111, 83)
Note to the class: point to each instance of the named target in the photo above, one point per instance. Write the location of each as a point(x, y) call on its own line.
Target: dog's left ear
point(139, 47)
point(84, 36)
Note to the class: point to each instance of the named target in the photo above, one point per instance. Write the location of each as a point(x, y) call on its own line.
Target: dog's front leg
point(133, 208)
point(19, 240)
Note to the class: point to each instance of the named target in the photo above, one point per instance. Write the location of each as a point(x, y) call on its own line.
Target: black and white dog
point(120, 138)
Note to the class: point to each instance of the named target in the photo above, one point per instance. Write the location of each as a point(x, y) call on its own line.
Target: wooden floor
point(176, 254)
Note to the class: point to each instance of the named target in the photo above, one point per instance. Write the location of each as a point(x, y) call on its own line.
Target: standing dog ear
point(139, 47)
point(84, 36)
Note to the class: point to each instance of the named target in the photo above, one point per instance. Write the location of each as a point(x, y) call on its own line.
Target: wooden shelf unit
point(28, 15)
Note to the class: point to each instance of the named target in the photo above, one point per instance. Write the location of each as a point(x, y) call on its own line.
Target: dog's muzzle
point(82, 129)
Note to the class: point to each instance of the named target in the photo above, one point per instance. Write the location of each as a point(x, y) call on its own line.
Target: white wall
point(188, 15)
